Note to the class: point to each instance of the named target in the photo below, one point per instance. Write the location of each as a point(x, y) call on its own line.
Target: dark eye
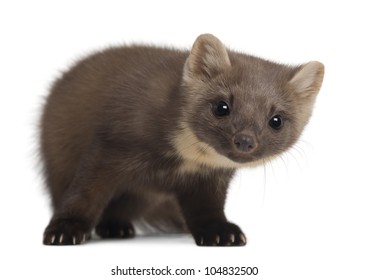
point(222, 109)
point(276, 122)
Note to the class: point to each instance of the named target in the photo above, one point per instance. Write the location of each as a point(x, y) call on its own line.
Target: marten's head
point(242, 109)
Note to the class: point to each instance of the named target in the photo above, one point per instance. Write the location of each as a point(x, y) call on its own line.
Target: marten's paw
point(66, 232)
point(115, 230)
point(219, 234)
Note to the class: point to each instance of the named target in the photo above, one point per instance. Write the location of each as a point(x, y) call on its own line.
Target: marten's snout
point(244, 143)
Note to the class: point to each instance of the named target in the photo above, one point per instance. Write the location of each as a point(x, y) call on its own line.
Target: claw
point(217, 239)
point(52, 239)
point(242, 238)
point(232, 238)
point(74, 240)
point(201, 240)
point(61, 238)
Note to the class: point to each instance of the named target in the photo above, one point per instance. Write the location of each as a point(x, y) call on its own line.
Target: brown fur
point(130, 133)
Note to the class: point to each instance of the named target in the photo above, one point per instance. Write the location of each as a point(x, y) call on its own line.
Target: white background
point(305, 215)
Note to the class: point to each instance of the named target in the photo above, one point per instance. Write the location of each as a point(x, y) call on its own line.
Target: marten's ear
point(207, 59)
point(308, 79)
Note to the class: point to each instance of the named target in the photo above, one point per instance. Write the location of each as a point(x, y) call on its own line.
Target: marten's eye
point(276, 122)
point(222, 109)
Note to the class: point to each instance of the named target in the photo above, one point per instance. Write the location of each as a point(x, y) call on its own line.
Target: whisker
point(265, 181)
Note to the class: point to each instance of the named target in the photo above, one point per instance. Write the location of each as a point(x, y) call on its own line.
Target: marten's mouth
point(234, 155)
point(238, 156)
point(242, 158)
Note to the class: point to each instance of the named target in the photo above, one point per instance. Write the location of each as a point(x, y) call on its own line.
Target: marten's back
point(111, 91)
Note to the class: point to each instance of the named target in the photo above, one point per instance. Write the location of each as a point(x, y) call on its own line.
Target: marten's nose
point(244, 143)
